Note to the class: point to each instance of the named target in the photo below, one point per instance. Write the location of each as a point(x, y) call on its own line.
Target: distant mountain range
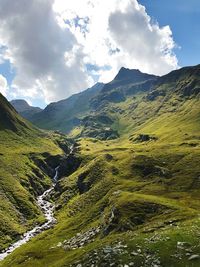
point(24, 109)
point(95, 112)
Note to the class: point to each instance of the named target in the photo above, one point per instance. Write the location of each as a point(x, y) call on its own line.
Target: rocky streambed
point(48, 211)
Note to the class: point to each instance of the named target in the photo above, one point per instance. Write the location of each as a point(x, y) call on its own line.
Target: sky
point(51, 49)
point(183, 17)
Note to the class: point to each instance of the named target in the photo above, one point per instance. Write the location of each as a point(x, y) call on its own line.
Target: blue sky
point(80, 37)
point(183, 17)
point(7, 71)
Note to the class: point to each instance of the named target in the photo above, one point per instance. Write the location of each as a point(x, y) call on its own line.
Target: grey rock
point(194, 257)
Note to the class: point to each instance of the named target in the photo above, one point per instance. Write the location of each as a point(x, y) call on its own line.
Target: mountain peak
point(126, 72)
point(21, 105)
point(134, 75)
point(127, 76)
point(24, 109)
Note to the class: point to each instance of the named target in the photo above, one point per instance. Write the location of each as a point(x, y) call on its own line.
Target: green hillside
point(66, 114)
point(134, 200)
point(24, 150)
point(165, 98)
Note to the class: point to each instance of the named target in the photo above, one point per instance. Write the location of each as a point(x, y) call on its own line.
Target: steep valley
point(129, 194)
point(28, 157)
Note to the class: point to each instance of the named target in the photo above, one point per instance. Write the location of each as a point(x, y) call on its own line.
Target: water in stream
point(48, 211)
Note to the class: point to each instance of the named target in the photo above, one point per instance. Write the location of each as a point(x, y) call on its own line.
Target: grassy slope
point(65, 114)
point(153, 187)
point(21, 180)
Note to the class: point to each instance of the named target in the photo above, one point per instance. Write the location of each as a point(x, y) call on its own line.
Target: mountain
point(28, 157)
point(130, 105)
point(9, 119)
point(184, 82)
point(100, 111)
point(132, 75)
point(64, 115)
point(24, 109)
point(128, 76)
point(70, 113)
point(133, 198)
point(127, 82)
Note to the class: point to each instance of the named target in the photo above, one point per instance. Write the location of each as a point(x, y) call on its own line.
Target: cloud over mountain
point(36, 46)
point(60, 47)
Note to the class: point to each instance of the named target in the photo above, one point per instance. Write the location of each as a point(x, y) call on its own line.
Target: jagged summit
point(127, 76)
point(134, 75)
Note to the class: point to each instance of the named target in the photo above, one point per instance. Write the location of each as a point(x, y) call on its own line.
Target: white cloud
point(142, 44)
point(36, 46)
point(3, 85)
point(119, 33)
point(56, 46)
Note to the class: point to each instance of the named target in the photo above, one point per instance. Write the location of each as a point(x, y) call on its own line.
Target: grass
point(21, 179)
point(142, 194)
point(144, 205)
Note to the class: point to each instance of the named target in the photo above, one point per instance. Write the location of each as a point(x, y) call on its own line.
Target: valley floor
point(128, 204)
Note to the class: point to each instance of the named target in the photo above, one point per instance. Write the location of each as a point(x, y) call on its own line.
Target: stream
point(48, 211)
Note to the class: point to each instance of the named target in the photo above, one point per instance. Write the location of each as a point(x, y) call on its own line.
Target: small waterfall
point(48, 211)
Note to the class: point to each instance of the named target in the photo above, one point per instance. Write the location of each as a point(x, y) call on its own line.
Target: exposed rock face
point(104, 133)
point(127, 76)
point(194, 257)
point(47, 164)
point(81, 239)
point(69, 165)
point(98, 126)
point(154, 94)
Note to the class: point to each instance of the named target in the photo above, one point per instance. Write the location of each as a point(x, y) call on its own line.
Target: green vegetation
point(134, 199)
point(24, 149)
point(66, 114)
point(142, 195)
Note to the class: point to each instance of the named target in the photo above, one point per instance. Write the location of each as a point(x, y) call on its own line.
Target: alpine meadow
point(109, 175)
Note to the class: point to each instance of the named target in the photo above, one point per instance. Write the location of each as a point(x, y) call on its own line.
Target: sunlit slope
point(128, 107)
point(23, 149)
point(64, 115)
point(134, 200)
point(144, 194)
point(67, 114)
